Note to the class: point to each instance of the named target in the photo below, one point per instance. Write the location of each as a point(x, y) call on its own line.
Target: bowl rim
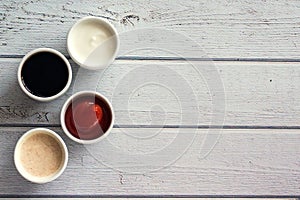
point(64, 109)
point(22, 171)
point(114, 34)
point(35, 97)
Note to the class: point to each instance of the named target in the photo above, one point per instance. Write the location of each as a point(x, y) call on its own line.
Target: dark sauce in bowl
point(88, 117)
point(44, 74)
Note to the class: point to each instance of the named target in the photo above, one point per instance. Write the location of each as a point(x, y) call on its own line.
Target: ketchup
point(88, 117)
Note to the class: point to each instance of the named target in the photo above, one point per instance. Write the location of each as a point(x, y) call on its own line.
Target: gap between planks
point(165, 58)
point(159, 126)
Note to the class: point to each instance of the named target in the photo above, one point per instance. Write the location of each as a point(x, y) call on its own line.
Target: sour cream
point(93, 43)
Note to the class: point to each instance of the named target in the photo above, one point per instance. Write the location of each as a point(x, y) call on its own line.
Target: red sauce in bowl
point(88, 117)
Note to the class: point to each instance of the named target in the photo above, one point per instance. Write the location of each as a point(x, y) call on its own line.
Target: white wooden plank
point(230, 29)
point(244, 162)
point(162, 92)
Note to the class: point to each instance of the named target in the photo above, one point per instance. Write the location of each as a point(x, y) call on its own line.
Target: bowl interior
point(69, 105)
point(37, 58)
point(93, 43)
point(19, 163)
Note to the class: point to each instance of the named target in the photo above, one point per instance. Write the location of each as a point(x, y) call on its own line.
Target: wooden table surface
point(224, 122)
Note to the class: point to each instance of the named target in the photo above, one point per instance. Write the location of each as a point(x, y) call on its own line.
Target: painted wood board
point(156, 93)
point(223, 29)
point(243, 162)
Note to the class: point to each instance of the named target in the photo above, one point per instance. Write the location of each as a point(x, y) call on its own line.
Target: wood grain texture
point(148, 90)
point(162, 92)
point(224, 29)
point(244, 162)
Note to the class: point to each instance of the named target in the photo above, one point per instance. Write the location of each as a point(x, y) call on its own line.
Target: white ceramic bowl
point(22, 170)
point(65, 107)
point(38, 98)
point(93, 43)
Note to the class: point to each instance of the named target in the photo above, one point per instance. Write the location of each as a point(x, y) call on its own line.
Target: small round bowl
point(83, 94)
point(93, 43)
point(22, 170)
point(38, 98)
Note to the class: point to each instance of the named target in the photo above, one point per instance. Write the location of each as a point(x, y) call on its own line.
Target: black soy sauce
point(44, 74)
